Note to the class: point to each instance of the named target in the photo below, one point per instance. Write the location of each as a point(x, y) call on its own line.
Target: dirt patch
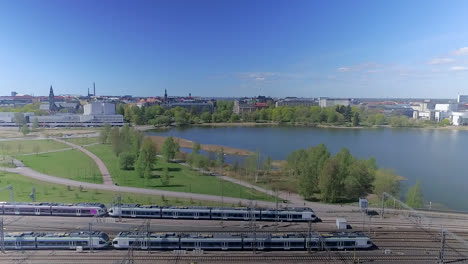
point(184, 143)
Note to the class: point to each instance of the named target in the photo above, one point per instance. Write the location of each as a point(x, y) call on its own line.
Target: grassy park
point(49, 192)
point(70, 164)
point(16, 147)
point(182, 178)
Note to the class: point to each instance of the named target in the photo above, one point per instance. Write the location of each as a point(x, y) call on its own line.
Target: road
point(106, 177)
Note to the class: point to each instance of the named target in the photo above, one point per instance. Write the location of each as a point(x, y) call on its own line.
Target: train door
point(78, 211)
point(198, 244)
point(18, 244)
point(144, 244)
point(196, 215)
point(133, 213)
point(72, 244)
point(246, 215)
point(37, 211)
point(260, 245)
point(224, 215)
point(17, 211)
point(290, 217)
point(287, 245)
point(175, 214)
point(340, 244)
point(224, 245)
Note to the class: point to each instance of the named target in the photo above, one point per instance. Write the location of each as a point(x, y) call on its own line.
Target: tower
point(165, 95)
point(94, 87)
point(88, 92)
point(51, 99)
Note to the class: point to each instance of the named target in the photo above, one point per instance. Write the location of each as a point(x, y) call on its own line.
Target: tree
point(116, 141)
point(196, 148)
point(35, 124)
point(359, 181)
point(414, 196)
point(19, 119)
point(356, 119)
point(220, 158)
point(25, 130)
point(36, 149)
point(347, 113)
point(169, 148)
point(446, 122)
point(205, 117)
point(126, 160)
point(329, 181)
point(386, 181)
point(146, 159)
point(165, 177)
point(267, 164)
point(104, 133)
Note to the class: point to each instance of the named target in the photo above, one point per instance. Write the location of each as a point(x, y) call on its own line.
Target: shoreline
point(185, 143)
point(253, 124)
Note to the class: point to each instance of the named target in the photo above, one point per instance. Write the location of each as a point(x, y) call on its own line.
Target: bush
point(126, 160)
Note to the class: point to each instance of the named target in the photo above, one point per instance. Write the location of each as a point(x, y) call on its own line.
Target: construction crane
point(11, 192)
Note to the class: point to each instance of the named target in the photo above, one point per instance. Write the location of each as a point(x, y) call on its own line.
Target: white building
point(327, 102)
point(459, 118)
point(446, 107)
point(99, 108)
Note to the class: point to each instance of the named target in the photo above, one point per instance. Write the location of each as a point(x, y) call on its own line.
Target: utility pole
point(383, 205)
point(442, 247)
point(310, 236)
point(148, 236)
point(90, 238)
point(119, 205)
point(2, 239)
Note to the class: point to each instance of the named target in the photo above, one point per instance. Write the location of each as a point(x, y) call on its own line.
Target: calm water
point(438, 158)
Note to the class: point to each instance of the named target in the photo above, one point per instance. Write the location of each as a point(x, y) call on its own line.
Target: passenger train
point(138, 211)
point(36, 240)
point(171, 241)
point(78, 209)
point(213, 213)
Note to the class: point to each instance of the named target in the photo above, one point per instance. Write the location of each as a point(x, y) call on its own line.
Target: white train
point(171, 241)
point(213, 213)
point(78, 209)
point(37, 240)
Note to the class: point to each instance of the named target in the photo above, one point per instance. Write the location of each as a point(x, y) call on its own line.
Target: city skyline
point(232, 49)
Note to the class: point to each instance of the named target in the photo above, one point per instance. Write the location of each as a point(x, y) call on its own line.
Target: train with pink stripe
point(55, 209)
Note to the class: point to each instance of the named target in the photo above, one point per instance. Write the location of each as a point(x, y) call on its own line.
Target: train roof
point(59, 204)
point(54, 235)
point(244, 235)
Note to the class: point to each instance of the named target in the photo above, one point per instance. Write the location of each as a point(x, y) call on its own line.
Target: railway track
point(229, 258)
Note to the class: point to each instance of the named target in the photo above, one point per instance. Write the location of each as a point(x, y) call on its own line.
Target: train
point(72, 240)
point(213, 213)
point(262, 241)
point(200, 241)
point(138, 211)
point(55, 209)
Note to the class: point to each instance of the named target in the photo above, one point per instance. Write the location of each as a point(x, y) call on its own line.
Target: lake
point(439, 158)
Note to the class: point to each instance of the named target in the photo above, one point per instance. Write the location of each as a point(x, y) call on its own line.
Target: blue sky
point(236, 48)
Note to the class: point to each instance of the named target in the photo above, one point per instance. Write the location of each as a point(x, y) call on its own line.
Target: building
point(243, 106)
point(462, 99)
point(446, 107)
point(459, 118)
point(99, 108)
point(294, 102)
point(328, 102)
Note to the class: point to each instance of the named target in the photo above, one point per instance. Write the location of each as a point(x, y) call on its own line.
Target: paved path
point(21, 169)
point(106, 177)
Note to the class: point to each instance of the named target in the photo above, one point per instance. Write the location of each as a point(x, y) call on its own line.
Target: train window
point(116, 242)
point(332, 243)
point(349, 243)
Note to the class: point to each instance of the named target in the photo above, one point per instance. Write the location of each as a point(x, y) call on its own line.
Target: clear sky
point(279, 48)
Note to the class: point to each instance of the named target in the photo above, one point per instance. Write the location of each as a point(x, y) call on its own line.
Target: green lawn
point(70, 164)
point(49, 192)
point(183, 179)
point(83, 140)
point(16, 147)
